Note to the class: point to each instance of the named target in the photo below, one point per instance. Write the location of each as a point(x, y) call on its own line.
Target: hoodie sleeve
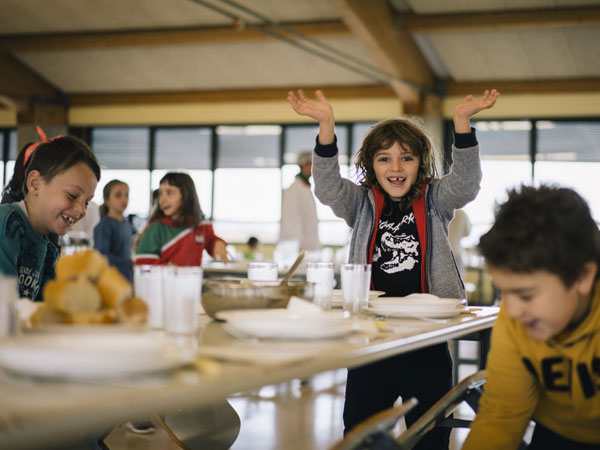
point(341, 194)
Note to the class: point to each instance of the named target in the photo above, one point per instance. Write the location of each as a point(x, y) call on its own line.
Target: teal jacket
point(24, 253)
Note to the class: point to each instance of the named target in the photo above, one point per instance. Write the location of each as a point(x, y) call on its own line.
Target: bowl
point(221, 294)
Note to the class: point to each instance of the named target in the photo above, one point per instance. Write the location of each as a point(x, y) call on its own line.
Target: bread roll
point(101, 317)
point(114, 287)
point(89, 263)
point(133, 310)
point(45, 315)
point(72, 296)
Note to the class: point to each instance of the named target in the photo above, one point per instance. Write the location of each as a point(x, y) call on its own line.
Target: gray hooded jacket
point(356, 205)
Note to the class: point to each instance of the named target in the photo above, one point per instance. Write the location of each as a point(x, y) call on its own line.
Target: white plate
point(434, 313)
point(282, 323)
point(89, 356)
point(414, 302)
point(337, 298)
point(84, 328)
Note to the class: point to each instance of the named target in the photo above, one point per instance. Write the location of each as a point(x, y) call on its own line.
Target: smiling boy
point(543, 255)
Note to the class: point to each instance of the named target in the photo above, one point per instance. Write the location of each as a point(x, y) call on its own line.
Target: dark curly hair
point(407, 133)
point(549, 228)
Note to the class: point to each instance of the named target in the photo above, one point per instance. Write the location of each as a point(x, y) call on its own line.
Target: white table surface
point(35, 411)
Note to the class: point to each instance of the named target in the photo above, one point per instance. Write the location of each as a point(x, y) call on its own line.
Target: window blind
point(177, 148)
point(122, 148)
point(568, 141)
point(248, 146)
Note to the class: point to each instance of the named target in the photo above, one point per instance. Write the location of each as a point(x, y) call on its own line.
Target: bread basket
point(222, 294)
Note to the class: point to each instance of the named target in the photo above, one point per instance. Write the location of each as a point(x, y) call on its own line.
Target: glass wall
point(569, 154)
point(505, 163)
point(123, 154)
point(241, 171)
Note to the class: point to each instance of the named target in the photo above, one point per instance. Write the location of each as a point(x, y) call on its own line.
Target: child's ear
point(34, 182)
point(585, 282)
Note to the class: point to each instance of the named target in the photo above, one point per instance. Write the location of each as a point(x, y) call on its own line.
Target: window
point(9, 167)
point(505, 162)
point(569, 155)
point(185, 150)
point(247, 200)
point(123, 154)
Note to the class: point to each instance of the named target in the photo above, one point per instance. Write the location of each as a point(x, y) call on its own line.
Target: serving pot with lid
point(222, 294)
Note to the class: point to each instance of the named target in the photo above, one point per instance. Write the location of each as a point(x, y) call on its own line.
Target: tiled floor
point(290, 416)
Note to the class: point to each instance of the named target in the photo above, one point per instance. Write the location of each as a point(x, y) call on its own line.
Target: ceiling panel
point(194, 67)
point(42, 16)
point(524, 54)
point(456, 6)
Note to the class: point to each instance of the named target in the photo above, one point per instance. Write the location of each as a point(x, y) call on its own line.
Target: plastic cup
point(262, 271)
point(147, 284)
point(182, 287)
point(9, 318)
point(356, 280)
point(322, 275)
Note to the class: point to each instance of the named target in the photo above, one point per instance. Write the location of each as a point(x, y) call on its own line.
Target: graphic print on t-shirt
point(397, 252)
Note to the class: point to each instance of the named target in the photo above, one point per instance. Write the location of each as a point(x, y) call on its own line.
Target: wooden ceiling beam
point(20, 85)
point(525, 86)
point(411, 23)
point(372, 23)
point(164, 37)
point(242, 95)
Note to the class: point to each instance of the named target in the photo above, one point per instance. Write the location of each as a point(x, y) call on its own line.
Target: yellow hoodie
point(554, 383)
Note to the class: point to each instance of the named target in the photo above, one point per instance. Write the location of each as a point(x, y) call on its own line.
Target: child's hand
point(220, 251)
point(318, 109)
point(470, 106)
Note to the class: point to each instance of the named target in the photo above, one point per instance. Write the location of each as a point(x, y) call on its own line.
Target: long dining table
point(37, 412)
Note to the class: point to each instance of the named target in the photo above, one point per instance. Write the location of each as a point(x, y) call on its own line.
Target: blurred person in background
point(298, 209)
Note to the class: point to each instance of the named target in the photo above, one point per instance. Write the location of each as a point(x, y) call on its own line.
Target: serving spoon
point(292, 269)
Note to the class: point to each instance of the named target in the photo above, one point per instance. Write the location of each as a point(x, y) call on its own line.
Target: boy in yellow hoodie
point(543, 254)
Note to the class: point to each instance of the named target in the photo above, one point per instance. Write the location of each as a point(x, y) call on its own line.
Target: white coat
point(299, 216)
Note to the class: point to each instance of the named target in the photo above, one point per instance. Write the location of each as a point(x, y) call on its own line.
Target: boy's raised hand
point(318, 109)
point(470, 106)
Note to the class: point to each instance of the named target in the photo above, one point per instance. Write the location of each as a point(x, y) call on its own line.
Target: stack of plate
point(284, 324)
point(417, 305)
point(89, 355)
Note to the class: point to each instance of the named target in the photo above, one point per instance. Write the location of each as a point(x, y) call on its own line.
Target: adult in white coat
point(298, 209)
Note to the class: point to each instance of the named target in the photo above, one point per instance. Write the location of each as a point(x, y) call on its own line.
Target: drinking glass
point(321, 274)
point(262, 271)
point(356, 279)
point(147, 284)
point(182, 287)
point(9, 318)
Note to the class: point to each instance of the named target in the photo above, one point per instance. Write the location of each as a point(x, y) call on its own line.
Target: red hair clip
point(29, 150)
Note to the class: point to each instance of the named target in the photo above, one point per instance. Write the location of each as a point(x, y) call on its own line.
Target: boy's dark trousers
point(425, 374)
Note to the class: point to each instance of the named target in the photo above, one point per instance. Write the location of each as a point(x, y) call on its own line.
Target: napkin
point(361, 325)
point(298, 305)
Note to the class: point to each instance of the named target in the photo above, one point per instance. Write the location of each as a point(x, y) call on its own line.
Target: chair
point(375, 433)
point(468, 390)
point(211, 425)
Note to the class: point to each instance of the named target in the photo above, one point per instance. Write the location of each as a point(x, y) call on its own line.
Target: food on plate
point(72, 296)
point(88, 262)
point(113, 287)
point(45, 315)
point(88, 291)
point(133, 310)
point(102, 316)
